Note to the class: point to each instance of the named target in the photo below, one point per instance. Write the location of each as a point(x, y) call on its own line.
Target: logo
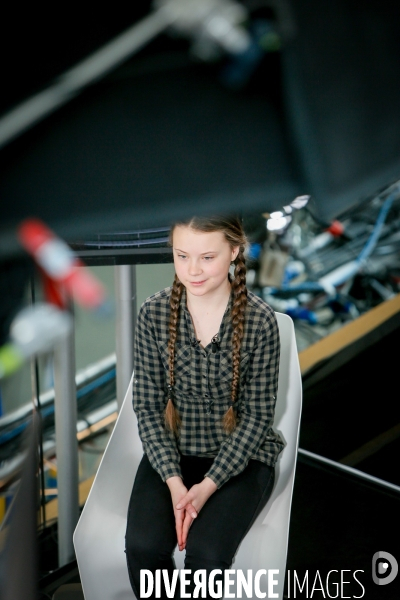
point(384, 568)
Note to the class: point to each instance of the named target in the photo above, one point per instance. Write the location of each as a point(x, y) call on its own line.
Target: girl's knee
point(142, 549)
point(197, 560)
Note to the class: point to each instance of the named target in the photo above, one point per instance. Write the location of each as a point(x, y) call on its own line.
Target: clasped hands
point(188, 503)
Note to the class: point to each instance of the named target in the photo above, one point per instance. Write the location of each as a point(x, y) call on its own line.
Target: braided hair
point(172, 419)
point(232, 229)
point(238, 318)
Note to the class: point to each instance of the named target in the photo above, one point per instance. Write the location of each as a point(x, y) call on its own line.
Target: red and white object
point(59, 263)
point(335, 230)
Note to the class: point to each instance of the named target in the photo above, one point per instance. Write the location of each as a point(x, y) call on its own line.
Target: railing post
point(66, 445)
point(125, 298)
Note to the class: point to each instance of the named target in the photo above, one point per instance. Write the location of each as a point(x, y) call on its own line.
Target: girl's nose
point(194, 267)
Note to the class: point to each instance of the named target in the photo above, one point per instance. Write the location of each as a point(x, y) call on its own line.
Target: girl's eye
point(181, 256)
point(208, 257)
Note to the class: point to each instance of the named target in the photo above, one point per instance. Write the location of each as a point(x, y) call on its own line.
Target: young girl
point(205, 382)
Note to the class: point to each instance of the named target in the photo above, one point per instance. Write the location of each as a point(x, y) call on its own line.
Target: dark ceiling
point(163, 136)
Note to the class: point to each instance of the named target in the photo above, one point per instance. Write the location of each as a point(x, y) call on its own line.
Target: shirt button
point(205, 395)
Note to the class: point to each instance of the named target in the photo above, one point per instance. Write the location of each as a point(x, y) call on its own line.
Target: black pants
point(215, 534)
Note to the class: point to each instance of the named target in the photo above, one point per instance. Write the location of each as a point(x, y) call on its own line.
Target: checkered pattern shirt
point(202, 392)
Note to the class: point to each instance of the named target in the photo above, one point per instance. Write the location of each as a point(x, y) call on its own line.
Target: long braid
point(238, 318)
point(172, 419)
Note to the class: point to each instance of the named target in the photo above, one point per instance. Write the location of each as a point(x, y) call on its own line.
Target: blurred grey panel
point(343, 98)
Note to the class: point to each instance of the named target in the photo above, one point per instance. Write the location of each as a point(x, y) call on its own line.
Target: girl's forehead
point(186, 238)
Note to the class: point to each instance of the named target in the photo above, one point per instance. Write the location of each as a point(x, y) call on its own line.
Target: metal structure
point(66, 445)
point(125, 300)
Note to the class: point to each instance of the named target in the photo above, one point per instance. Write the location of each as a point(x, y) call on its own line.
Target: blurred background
point(114, 122)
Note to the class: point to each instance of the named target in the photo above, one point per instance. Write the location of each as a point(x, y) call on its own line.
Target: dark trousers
point(215, 534)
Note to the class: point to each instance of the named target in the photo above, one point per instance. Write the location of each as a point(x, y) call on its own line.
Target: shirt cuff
point(167, 470)
point(218, 475)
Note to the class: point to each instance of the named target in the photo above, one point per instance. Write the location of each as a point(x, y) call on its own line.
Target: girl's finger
point(183, 502)
point(179, 526)
point(191, 510)
point(186, 504)
point(186, 526)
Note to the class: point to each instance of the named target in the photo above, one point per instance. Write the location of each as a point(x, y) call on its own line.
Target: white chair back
point(99, 537)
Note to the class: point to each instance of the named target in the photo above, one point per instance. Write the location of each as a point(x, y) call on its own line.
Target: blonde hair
point(232, 229)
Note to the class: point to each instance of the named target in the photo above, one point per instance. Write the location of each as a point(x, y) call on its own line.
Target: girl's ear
point(235, 252)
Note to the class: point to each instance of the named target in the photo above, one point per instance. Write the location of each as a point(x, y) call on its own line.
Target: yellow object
point(2, 508)
point(10, 360)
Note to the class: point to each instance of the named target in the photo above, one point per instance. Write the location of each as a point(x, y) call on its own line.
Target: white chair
point(100, 534)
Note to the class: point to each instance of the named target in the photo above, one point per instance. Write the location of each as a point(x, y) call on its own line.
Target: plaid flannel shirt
point(203, 387)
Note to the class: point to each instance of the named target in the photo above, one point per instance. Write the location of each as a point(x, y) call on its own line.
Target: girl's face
point(201, 259)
